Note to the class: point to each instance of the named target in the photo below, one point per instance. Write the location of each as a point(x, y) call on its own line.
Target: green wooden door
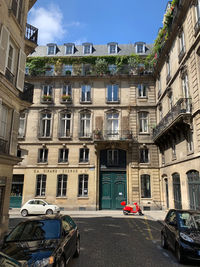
point(112, 190)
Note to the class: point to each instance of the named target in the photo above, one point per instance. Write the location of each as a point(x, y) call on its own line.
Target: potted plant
point(68, 72)
point(66, 97)
point(101, 66)
point(47, 98)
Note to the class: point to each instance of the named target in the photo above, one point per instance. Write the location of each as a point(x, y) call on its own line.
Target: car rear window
point(35, 230)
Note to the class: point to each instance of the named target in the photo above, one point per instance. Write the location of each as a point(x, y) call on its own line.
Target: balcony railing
point(118, 135)
point(91, 71)
point(182, 106)
point(4, 149)
point(85, 135)
point(31, 33)
point(9, 76)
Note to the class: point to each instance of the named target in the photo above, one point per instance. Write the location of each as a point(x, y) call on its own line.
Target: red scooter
point(131, 209)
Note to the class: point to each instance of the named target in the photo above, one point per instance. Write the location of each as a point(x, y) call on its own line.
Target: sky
point(97, 21)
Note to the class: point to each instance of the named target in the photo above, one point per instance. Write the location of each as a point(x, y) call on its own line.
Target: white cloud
point(49, 22)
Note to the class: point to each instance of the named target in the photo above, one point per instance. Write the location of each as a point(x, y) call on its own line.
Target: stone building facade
point(178, 109)
point(86, 141)
point(13, 50)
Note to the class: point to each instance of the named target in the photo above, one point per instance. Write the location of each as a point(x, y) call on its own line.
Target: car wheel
point(163, 241)
point(179, 255)
point(125, 212)
point(77, 252)
point(24, 213)
point(61, 262)
point(49, 211)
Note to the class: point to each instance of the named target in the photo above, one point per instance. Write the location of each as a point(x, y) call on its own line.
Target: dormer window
point(140, 48)
point(51, 49)
point(112, 48)
point(87, 48)
point(70, 47)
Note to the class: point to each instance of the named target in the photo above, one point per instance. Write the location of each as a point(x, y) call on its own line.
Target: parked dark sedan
point(181, 232)
point(44, 241)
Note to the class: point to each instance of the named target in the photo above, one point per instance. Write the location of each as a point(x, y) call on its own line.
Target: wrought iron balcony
point(4, 149)
point(117, 135)
point(27, 94)
point(181, 109)
point(31, 33)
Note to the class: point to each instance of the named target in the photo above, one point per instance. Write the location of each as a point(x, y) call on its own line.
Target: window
point(85, 126)
point(144, 155)
point(66, 93)
point(112, 124)
point(45, 127)
point(43, 155)
point(65, 125)
point(142, 90)
point(69, 49)
point(83, 185)
point(47, 93)
point(186, 93)
point(63, 155)
point(182, 42)
point(198, 10)
point(163, 157)
point(190, 144)
point(112, 157)
point(140, 48)
point(87, 48)
point(61, 185)
point(112, 48)
point(173, 150)
point(159, 87)
point(16, 8)
point(22, 125)
point(41, 185)
point(170, 99)
point(49, 70)
point(112, 69)
point(168, 68)
point(84, 155)
point(3, 121)
point(51, 49)
point(85, 93)
point(112, 93)
point(143, 122)
point(10, 58)
point(145, 186)
point(160, 112)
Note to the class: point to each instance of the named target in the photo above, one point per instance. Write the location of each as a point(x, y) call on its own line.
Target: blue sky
point(97, 21)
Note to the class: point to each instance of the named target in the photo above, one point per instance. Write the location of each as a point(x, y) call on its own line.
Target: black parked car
point(181, 232)
point(44, 241)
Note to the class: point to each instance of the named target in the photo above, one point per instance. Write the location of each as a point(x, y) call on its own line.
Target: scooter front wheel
point(125, 212)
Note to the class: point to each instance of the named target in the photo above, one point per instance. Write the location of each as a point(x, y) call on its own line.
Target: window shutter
point(14, 135)
point(21, 70)
point(4, 40)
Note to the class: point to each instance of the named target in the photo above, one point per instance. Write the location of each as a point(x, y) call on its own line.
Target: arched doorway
point(112, 179)
point(194, 189)
point(177, 191)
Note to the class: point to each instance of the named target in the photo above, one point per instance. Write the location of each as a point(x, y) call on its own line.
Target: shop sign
point(59, 171)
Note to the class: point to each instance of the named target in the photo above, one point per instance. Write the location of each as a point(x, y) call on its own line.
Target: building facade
point(16, 40)
point(178, 108)
point(86, 141)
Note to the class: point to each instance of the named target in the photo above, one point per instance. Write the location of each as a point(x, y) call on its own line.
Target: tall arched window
point(194, 189)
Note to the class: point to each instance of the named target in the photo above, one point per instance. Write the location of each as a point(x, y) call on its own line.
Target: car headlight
point(44, 262)
point(186, 238)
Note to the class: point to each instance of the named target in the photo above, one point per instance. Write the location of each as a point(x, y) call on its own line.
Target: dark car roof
point(47, 217)
point(185, 210)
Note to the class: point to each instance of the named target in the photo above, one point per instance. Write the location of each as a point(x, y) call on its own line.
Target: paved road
point(120, 242)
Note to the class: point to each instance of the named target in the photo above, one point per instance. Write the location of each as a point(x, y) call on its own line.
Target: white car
point(38, 206)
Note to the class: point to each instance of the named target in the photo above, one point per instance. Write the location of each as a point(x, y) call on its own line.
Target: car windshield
point(189, 221)
point(35, 230)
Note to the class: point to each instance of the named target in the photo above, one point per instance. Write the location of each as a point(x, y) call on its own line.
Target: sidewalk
point(155, 215)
